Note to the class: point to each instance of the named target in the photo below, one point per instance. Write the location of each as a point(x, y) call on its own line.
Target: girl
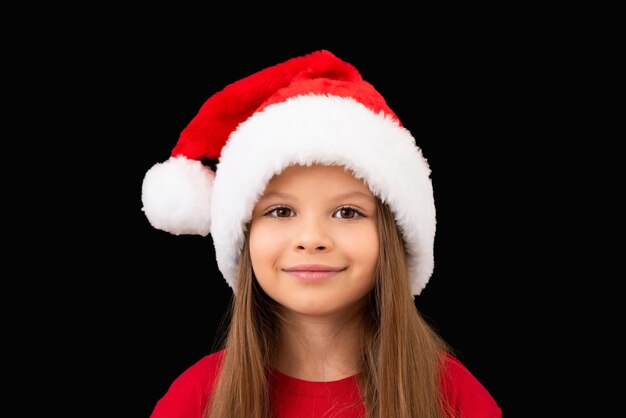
point(322, 214)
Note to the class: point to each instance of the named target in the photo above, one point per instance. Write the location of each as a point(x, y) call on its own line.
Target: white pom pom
point(176, 196)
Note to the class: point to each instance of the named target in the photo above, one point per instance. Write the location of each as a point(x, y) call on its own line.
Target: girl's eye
point(347, 212)
point(280, 212)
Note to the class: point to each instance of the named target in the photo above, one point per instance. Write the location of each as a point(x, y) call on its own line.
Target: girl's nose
point(312, 236)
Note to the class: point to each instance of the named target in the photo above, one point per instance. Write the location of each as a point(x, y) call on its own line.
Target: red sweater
point(293, 397)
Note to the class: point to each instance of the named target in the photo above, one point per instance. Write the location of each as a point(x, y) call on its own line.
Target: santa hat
point(310, 109)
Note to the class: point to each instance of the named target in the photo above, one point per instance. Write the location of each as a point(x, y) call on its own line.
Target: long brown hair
point(399, 365)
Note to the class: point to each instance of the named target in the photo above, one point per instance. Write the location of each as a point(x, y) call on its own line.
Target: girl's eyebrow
point(354, 193)
point(341, 196)
point(269, 194)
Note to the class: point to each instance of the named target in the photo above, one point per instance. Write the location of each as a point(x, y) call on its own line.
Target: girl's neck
point(320, 348)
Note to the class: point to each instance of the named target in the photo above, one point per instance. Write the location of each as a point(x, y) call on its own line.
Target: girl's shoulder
point(201, 374)
point(188, 393)
point(207, 365)
point(465, 393)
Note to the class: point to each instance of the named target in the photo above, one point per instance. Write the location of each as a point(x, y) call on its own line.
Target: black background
point(131, 307)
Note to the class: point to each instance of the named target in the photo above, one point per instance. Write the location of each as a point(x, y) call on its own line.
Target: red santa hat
point(315, 108)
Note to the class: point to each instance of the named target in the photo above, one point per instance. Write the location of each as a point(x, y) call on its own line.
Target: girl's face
point(314, 240)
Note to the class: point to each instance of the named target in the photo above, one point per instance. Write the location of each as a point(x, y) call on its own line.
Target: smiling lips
point(313, 272)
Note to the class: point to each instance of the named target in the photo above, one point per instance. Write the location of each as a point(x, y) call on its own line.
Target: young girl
point(322, 215)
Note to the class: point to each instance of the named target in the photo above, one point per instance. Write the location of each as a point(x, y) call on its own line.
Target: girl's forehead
point(315, 174)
